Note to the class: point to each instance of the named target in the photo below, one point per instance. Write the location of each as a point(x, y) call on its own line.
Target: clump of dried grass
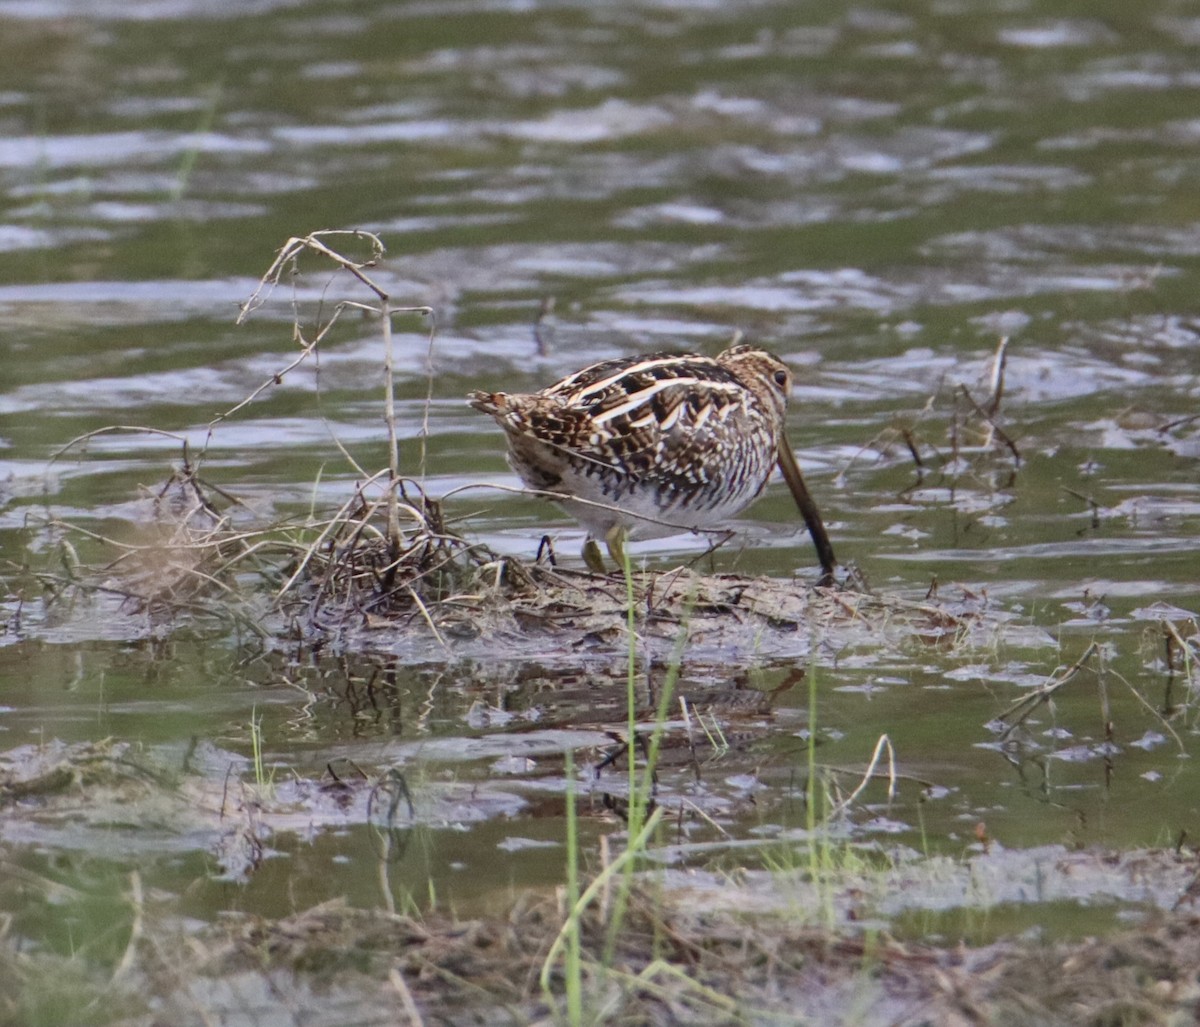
point(356, 569)
point(187, 557)
point(357, 586)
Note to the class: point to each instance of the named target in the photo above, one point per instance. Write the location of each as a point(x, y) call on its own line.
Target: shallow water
point(877, 194)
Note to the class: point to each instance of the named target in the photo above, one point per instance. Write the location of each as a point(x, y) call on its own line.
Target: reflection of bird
point(641, 447)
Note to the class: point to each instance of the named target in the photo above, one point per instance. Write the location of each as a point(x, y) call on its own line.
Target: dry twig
point(1023, 708)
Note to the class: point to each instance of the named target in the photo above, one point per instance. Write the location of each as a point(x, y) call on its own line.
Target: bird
point(647, 446)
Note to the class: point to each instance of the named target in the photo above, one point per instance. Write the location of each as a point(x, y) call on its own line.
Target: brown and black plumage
point(648, 446)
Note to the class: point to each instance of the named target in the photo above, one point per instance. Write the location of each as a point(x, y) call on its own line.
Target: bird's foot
point(592, 557)
point(615, 539)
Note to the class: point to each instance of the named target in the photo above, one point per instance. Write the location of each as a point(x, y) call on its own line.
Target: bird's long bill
point(808, 509)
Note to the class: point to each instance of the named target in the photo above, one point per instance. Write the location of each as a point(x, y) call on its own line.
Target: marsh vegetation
point(310, 712)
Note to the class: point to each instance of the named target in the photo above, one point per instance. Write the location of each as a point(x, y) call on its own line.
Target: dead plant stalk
point(1028, 703)
point(287, 257)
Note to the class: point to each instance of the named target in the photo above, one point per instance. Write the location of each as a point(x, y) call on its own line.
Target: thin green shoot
point(261, 779)
point(633, 848)
point(665, 697)
point(921, 828)
point(822, 859)
point(636, 805)
point(573, 968)
point(635, 811)
point(715, 734)
point(640, 793)
point(187, 164)
point(312, 500)
point(810, 806)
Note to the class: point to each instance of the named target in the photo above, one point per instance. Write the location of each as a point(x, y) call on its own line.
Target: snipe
point(642, 447)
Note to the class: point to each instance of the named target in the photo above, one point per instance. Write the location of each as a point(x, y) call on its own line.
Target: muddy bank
point(200, 563)
point(832, 929)
point(669, 964)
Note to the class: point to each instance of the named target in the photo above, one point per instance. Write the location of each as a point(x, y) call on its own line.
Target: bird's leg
point(615, 537)
point(592, 557)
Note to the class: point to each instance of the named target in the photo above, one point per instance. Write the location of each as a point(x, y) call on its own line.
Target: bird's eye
point(781, 378)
